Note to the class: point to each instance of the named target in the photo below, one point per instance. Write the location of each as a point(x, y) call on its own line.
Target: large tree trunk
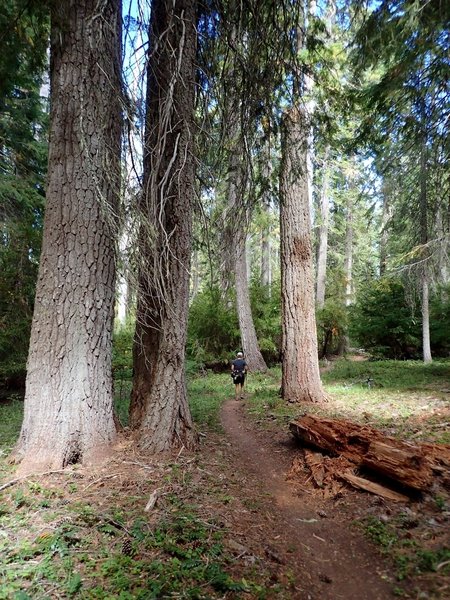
point(300, 366)
point(323, 234)
point(159, 407)
point(69, 403)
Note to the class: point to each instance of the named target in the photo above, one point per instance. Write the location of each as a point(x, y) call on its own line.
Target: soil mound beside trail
point(330, 560)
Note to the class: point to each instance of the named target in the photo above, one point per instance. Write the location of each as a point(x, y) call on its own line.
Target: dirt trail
point(331, 560)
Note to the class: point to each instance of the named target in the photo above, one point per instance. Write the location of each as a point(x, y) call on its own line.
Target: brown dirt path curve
point(331, 560)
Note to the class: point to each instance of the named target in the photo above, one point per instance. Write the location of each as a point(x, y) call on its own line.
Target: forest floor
point(235, 519)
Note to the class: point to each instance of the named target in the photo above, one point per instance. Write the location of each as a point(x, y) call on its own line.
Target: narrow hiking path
point(331, 560)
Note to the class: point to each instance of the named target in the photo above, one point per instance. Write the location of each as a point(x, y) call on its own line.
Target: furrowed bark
point(68, 414)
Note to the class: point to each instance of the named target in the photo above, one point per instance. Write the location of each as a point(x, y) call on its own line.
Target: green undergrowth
point(55, 543)
point(410, 558)
point(206, 395)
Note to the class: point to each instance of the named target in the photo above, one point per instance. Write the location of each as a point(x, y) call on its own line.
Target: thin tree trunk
point(310, 10)
point(425, 316)
point(122, 282)
point(348, 259)
point(232, 214)
point(385, 217)
point(426, 346)
point(68, 414)
point(195, 275)
point(253, 356)
point(300, 364)
point(323, 234)
point(159, 407)
point(443, 234)
point(266, 273)
point(233, 236)
point(348, 268)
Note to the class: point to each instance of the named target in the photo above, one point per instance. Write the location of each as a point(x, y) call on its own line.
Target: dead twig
point(101, 479)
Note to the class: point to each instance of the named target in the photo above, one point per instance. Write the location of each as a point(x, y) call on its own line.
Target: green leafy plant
point(382, 322)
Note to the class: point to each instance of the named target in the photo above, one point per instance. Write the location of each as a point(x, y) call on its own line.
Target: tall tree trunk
point(348, 258)
point(385, 217)
point(249, 341)
point(425, 316)
point(159, 407)
point(253, 356)
point(426, 346)
point(308, 82)
point(348, 268)
point(233, 235)
point(266, 271)
point(323, 234)
point(122, 282)
point(443, 235)
point(195, 275)
point(300, 364)
point(69, 403)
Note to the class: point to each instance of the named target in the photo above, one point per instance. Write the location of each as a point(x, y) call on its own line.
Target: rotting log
point(411, 465)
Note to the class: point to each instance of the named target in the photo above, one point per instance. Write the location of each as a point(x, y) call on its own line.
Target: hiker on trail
point(238, 373)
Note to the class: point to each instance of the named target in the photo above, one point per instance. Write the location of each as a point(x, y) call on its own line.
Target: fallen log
point(408, 464)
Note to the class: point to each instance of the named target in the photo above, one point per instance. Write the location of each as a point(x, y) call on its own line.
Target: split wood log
point(373, 488)
point(314, 460)
point(408, 464)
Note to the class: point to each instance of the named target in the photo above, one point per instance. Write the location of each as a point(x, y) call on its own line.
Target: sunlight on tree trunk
point(425, 316)
point(426, 345)
point(300, 366)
